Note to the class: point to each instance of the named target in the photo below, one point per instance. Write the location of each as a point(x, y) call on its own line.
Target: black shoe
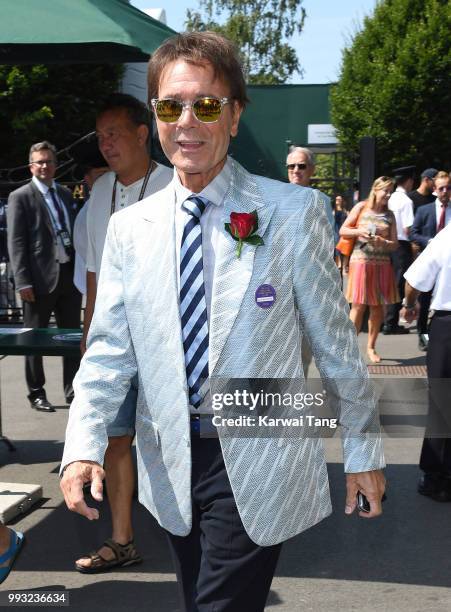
point(42, 404)
point(435, 486)
point(395, 329)
point(422, 342)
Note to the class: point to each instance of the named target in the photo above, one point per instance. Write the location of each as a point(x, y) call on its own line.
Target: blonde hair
point(441, 175)
point(380, 183)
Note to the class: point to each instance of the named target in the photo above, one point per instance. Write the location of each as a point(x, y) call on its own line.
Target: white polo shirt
point(433, 269)
point(402, 207)
point(99, 207)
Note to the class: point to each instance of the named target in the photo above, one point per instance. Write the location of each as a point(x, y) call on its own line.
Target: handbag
point(346, 244)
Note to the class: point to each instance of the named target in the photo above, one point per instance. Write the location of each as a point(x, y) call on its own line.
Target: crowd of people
point(385, 233)
point(174, 300)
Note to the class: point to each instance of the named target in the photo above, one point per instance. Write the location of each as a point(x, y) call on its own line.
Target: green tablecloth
point(38, 342)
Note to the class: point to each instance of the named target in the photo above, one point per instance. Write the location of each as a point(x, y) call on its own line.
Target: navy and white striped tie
point(193, 305)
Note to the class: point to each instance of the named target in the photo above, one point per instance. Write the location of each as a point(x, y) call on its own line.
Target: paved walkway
point(398, 562)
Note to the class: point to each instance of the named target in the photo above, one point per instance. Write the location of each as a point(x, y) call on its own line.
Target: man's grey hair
point(45, 145)
point(307, 152)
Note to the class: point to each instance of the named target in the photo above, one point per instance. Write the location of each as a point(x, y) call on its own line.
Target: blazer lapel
point(158, 212)
point(232, 275)
point(39, 203)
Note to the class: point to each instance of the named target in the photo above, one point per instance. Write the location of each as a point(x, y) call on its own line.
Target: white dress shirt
point(211, 222)
point(402, 207)
point(433, 269)
point(438, 212)
point(61, 254)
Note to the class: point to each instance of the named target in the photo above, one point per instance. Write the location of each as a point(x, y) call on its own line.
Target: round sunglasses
point(206, 109)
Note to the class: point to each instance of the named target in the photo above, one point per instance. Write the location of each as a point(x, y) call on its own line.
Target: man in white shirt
point(40, 244)
point(432, 269)
point(402, 208)
point(93, 169)
point(122, 132)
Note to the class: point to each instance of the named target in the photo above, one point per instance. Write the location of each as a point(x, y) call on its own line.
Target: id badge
point(65, 239)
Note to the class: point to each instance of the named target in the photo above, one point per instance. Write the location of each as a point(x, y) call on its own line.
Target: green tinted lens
point(207, 110)
point(168, 111)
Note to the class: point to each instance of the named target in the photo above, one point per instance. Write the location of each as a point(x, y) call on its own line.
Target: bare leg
point(356, 315)
point(374, 325)
point(345, 264)
point(120, 482)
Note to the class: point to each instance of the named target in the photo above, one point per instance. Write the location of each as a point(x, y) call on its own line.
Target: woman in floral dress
point(371, 280)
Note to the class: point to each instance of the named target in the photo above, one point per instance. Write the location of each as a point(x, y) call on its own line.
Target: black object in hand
point(362, 502)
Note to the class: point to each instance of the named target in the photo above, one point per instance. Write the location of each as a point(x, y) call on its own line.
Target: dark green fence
point(277, 114)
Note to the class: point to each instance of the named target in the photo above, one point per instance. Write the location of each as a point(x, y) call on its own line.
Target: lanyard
point(141, 193)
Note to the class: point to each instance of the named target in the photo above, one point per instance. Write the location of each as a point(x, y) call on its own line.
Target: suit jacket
point(424, 226)
point(31, 237)
point(280, 483)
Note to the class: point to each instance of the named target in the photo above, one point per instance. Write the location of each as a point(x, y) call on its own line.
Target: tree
point(49, 102)
point(261, 30)
point(394, 84)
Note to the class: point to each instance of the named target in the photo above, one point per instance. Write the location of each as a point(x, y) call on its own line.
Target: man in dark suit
point(429, 220)
point(40, 221)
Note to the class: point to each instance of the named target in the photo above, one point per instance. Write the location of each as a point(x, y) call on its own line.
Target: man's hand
point(372, 485)
point(27, 294)
point(75, 476)
point(409, 314)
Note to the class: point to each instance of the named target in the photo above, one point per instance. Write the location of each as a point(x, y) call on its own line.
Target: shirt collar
point(132, 185)
point(400, 189)
point(214, 192)
point(43, 188)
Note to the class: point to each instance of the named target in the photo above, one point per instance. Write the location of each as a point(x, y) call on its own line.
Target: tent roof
point(77, 31)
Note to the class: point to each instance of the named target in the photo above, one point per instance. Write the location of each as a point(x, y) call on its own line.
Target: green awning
point(77, 31)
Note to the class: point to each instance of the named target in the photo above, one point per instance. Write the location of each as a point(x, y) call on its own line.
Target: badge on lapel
point(265, 296)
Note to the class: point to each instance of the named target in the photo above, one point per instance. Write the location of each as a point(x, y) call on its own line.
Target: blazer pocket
point(147, 430)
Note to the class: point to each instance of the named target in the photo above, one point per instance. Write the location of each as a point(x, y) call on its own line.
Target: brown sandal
point(125, 554)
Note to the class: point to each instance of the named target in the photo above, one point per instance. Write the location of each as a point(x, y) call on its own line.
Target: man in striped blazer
point(205, 286)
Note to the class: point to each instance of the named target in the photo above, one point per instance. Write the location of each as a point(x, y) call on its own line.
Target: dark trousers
point(436, 451)
point(401, 260)
point(424, 300)
point(218, 567)
point(65, 302)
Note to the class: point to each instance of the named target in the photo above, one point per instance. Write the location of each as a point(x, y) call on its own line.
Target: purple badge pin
point(265, 296)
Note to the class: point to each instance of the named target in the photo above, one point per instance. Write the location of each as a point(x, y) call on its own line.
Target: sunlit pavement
point(397, 562)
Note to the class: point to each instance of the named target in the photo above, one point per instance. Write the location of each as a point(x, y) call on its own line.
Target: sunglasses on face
point(301, 166)
point(207, 109)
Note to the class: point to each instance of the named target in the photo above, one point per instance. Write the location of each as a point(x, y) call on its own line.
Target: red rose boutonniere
point(242, 228)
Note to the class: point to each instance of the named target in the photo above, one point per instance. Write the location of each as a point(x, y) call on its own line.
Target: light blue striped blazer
point(280, 484)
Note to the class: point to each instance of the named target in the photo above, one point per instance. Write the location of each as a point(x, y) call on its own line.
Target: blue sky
point(328, 25)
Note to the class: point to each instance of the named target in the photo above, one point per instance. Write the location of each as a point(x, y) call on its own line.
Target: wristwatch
point(406, 305)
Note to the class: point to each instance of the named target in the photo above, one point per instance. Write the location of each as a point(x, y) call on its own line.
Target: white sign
point(321, 133)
